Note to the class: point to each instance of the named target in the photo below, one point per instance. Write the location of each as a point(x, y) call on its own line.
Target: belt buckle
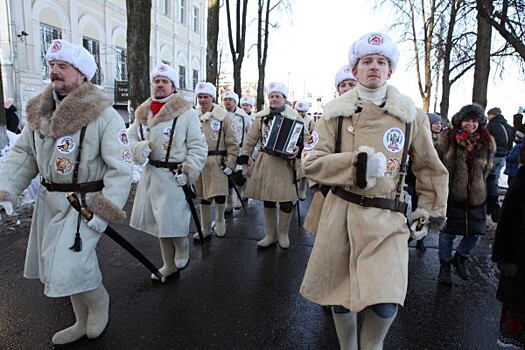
point(366, 202)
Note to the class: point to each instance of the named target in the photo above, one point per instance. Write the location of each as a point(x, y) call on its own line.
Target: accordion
point(282, 136)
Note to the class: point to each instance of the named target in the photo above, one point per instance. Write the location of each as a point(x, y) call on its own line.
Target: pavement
point(234, 296)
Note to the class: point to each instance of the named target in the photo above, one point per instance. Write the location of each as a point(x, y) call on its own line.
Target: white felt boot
point(97, 302)
point(167, 249)
point(220, 223)
point(284, 226)
point(346, 328)
point(270, 228)
point(205, 210)
point(79, 329)
point(374, 330)
point(302, 186)
point(182, 252)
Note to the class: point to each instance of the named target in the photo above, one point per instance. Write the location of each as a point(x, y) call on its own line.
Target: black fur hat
point(473, 111)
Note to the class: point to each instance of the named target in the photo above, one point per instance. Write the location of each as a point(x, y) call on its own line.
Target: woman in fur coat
point(467, 150)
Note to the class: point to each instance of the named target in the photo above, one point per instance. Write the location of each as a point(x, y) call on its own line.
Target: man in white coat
point(166, 133)
point(78, 143)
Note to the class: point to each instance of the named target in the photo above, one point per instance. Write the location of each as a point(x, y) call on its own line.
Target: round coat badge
point(63, 165)
point(393, 140)
point(393, 166)
point(65, 145)
point(126, 155)
point(167, 133)
point(215, 125)
point(214, 135)
point(314, 139)
point(123, 137)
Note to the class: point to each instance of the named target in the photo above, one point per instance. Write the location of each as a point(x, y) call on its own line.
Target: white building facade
point(178, 38)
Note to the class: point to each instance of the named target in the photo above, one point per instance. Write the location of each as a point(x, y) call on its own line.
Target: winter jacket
point(512, 161)
point(360, 255)
point(160, 207)
point(467, 189)
point(49, 145)
point(509, 244)
point(503, 134)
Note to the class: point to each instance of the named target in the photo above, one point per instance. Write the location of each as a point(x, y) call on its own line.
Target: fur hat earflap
point(472, 111)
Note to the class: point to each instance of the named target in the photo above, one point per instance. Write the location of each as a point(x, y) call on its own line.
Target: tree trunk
point(237, 47)
point(212, 72)
point(482, 65)
point(3, 126)
point(263, 20)
point(138, 41)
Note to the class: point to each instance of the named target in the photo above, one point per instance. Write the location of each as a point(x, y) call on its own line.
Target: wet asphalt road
point(233, 296)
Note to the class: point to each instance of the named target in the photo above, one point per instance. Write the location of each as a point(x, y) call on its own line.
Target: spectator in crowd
point(467, 150)
point(11, 118)
point(512, 161)
point(503, 134)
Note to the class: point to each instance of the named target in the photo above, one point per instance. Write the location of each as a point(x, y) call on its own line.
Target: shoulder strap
point(171, 138)
point(338, 137)
point(506, 134)
point(403, 172)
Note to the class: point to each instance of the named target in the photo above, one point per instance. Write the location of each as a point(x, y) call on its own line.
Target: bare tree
point(138, 41)
point(237, 48)
point(482, 61)
point(212, 67)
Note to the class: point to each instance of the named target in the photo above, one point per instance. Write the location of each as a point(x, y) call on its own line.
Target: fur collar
point(174, 107)
point(288, 112)
point(77, 109)
point(217, 112)
point(397, 105)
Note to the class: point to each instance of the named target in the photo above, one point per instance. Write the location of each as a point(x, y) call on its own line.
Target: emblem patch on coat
point(63, 165)
point(314, 139)
point(214, 135)
point(166, 145)
point(215, 125)
point(236, 128)
point(123, 137)
point(167, 133)
point(393, 140)
point(393, 166)
point(126, 156)
point(65, 145)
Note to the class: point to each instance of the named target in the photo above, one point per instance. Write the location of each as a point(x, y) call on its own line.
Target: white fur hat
point(277, 87)
point(76, 55)
point(163, 70)
point(231, 94)
point(374, 43)
point(204, 87)
point(345, 73)
point(302, 106)
point(248, 100)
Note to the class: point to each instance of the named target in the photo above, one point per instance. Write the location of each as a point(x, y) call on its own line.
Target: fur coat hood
point(216, 112)
point(174, 107)
point(397, 105)
point(77, 109)
point(460, 179)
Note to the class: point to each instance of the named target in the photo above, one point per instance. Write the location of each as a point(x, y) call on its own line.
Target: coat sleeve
point(197, 147)
point(250, 141)
point(232, 147)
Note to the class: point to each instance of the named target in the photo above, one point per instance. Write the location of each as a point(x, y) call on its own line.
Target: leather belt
point(367, 202)
point(162, 164)
point(85, 187)
point(217, 153)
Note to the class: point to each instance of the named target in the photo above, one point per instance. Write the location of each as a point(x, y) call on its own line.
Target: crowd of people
point(355, 161)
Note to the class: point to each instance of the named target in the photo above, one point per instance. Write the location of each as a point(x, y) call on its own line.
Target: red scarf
point(156, 106)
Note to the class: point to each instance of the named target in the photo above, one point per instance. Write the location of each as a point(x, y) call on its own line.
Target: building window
point(93, 47)
point(182, 77)
point(121, 65)
point(195, 22)
point(195, 78)
point(165, 6)
point(182, 11)
point(47, 35)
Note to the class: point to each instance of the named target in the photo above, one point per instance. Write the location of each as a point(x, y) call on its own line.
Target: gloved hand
point(97, 224)
point(181, 179)
point(7, 206)
point(145, 152)
point(376, 165)
point(418, 229)
point(507, 269)
point(227, 171)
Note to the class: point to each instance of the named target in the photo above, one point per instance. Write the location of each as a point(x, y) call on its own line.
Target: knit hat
point(204, 87)
point(345, 73)
point(495, 111)
point(473, 111)
point(433, 118)
point(76, 55)
point(163, 70)
point(248, 100)
point(231, 94)
point(374, 43)
point(302, 106)
point(277, 87)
